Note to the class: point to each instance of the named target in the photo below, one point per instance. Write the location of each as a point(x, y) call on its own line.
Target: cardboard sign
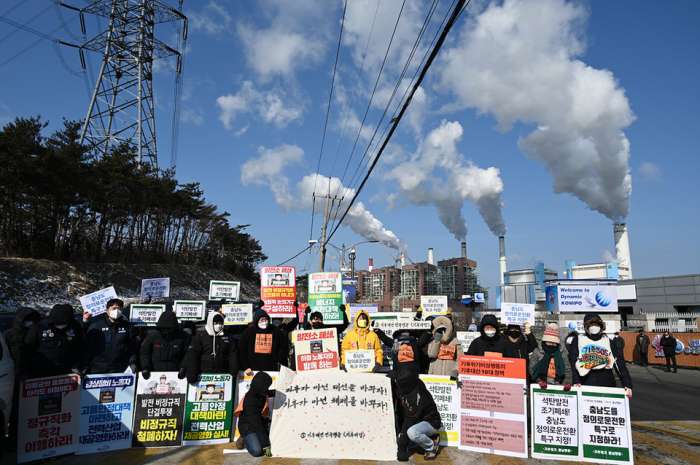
point(48, 422)
point(145, 314)
point(155, 288)
point(359, 360)
point(209, 411)
point(493, 414)
point(190, 310)
point(390, 326)
point(326, 296)
point(465, 338)
point(316, 349)
point(433, 305)
point(224, 290)
point(333, 415)
point(446, 396)
point(237, 314)
point(278, 290)
point(517, 314)
point(243, 386)
point(158, 413)
point(95, 303)
point(106, 412)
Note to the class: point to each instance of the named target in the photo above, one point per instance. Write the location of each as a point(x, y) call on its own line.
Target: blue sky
point(525, 96)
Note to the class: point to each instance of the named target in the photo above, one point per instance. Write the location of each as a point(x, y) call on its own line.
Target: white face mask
point(218, 327)
point(114, 314)
point(490, 332)
point(61, 326)
point(594, 329)
point(262, 324)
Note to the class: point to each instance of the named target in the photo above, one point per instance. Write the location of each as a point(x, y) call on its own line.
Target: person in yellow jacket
point(362, 337)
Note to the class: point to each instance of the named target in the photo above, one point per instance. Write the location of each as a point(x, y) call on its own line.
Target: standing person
point(519, 345)
point(110, 344)
point(361, 337)
point(643, 343)
point(263, 346)
point(210, 351)
point(253, 424)
point(618, 345)
point(668, 344)
point(164, 347)
point(314, 320)
point(551, 366)
point(60, 339)
point(592, 359)
point(444, 350)
point(490, 341)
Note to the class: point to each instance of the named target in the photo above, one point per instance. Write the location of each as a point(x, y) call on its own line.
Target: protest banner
point(158, 410)
point(106, 412)
point(95, 303)
point(446, 396)
point(316, 349)
point(145, 314)
point(359, 360)
point(326, 296)
point(224, 290)
point(190, 310)
point(155, 288)
point(389, 326)
point(517, 314)
point(492, 406)
point(278, 289)
point(243, 386)
point(554, 417)
point(465, 338)
point(237, 314)
point(48, 422)
point(333, 415)
point(433, 305)
point(353, 309)
point(208, 411)
point(572, 297)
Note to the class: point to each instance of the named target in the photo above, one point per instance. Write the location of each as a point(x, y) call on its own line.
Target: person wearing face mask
point(111, 346)
point(551, 367)
point(314, 320)
point(164, 347)
point(444, 350)
point(490, 341)
point(668, 344)
point(210, 351)
point(263, 346)
point(59, 344)
point(519, 345)
point(361, 337)
point(593, 360)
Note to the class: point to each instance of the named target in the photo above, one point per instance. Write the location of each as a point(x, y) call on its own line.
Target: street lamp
point(352, 255)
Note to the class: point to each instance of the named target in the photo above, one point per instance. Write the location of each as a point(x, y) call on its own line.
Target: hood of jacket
point(446, 323)
point(209, 326)
point(407, 379)
point(24, 314)
point(61, 314)
point(489, 320)
point(260, 384)
point(168, 320)
point(259, 313)
point(357, 317)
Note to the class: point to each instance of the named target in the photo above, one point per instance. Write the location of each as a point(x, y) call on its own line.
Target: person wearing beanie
point(164, 347)
point(517, 344)
point(593, 360)
point(60, 338)
point(210, 351)
point(263, 346)
point(490, 341)
point(551, 366)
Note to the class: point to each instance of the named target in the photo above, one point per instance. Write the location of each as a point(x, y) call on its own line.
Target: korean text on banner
point(145, 314)
point(493, 414)
point(517, 314)
point(278, 290)
point(359, 360)
point(95, 303)
point(155, 288)
point(48, 422)
point(389, 326)
point(433, 305)
point(190, 310)
point(243, 386)
point(237, 314)
point(209, 411)
point(465, 338)
point(446, 396)
point(224, 290)
point(554, 417)
point(316, 349)
point(106, 412)
point(326, 296)
point(158, 410)
point(333, 415)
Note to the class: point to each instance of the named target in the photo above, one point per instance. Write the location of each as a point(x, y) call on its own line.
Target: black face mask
point(514, 334)
point(549, 349)
point(317, 324)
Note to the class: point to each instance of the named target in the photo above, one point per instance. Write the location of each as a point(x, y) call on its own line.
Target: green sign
point(326, 296)
point(208, 411)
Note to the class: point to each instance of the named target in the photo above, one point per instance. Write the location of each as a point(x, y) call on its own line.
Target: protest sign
point(155, 288)
point(465, 338)
point(316, 349)
point(237, 314)
point(95, 303)
point(106, 412)
point(354, 309)
point(243, 386)
point(333, 415)
point(446, 396)
point(517, 314)
point(433, 305)
point(48, 422)
point(158, 410)
point(278, 289)
point(208, 411)
point(389, 326)
point(359, 360)
point(492, 407)
point(554, 417)
point(326, 296)
point(145, 314)
point(190, 310)
point(224, 290)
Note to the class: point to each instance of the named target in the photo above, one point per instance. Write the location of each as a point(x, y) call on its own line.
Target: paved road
point(658, 395)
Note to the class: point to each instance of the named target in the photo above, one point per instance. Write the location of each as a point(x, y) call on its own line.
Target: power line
point(295, 256)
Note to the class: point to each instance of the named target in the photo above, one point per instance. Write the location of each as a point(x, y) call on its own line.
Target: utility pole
point(326, 217)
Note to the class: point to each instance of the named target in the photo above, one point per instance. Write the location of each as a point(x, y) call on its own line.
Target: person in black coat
point(111, 346)
point(668, 344)
point(519, 345)
point(642, 348)
point(164, 347)
point(252, 425)
point(60, 340)
point(490, 340)
point(210, 351)
point(262, 346)
point(314, 320)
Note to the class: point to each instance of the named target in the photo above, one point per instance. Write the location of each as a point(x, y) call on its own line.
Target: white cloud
point(269, 106)
point(212, 19)
point(268, 169)
point(650, 171)
point(191, 115)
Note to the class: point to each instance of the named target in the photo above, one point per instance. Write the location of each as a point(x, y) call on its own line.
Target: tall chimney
point(370, 263)
point(431, 259)
point(403, 259)
point(622, 247)
point(463, 251)
point(502, 259)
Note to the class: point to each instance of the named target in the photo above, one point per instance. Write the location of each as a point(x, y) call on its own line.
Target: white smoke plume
point(517, 61)
point(267, 169)
point(438, 175)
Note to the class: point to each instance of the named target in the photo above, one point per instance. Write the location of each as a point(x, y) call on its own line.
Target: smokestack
point(502, 258)
point(463, 249)
point(403, 259)
point(370, 263)
point(430, 256)
point(622, 247)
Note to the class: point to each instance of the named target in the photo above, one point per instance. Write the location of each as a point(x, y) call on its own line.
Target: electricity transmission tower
point(122, 109)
